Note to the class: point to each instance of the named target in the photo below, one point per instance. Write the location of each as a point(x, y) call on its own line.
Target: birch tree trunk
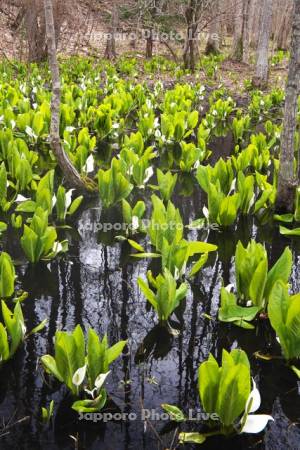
point(260, 79)
point(72, 176)
point(287, 179)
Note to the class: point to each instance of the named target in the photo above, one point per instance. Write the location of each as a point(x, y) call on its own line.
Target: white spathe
point(100, 380)
point(79, 376)
point(254, 423)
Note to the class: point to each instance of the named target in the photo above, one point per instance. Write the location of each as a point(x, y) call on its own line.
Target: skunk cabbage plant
point(82, 367)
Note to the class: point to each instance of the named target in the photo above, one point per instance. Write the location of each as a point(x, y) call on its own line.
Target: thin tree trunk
point(110, 51)
point(149, 44)
point(72, 176)
point(189, 48)
point(287, 179)
point(246, 32)
point(237, 51)
point(262, 66)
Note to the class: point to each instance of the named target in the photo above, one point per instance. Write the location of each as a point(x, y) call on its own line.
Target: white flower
point(79, 376)
point(21, 198)
point(254, 423)
point(135, 223)
point(30, 132)
point(229, 288)
point(205, 212)
point(89, 164)
point(100, 380)
point(69, 198)
point(148, 174)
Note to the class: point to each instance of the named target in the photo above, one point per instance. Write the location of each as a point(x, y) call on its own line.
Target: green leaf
point(29, 206)
point(230, 311)
point(296, 370)
point(287, 218)
point(288, 232)
point(7, 276)
point(198, 265)
point(280, 271)
point(146, 255)
point(258, 283)
point(95, 405)
point(208, 382)
point(193, 438)
point(148, 293)
point(50, 366)
point(39, 327)
point(136, 246)
point(75, 205)
point(115, 351)
point(174, 412)
point(4, 345)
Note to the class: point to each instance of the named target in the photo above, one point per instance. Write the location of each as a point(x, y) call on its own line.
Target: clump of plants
point(82, 367)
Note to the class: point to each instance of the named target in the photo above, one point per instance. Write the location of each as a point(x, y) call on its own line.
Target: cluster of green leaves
point(165, 231)
point(132, 216)
point(218, 117)
point(113, 184)
point(237, 185)
point(254, 283)
point(224, 393)
point(39, 239)
point(262, 105)
point(82, 367)
point(13, 331)
point(165, 297)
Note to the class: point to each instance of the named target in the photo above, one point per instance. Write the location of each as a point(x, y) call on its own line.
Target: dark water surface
point(95, 285)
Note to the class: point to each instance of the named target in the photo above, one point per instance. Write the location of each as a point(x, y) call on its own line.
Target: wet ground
point(95, 285)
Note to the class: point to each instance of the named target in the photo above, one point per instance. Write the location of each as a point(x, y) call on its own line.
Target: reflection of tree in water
point(96, 286)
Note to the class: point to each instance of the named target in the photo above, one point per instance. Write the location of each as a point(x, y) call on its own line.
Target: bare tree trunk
point(246, 32)
point(260, 79)
point(71, 174)
point(284, 31)
point(189, 48)
point(110, 51)
point(237, 52)
point(254, 22)
point(213, 42)
point(35, 31)
point(149, 44)
point(287, 180)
